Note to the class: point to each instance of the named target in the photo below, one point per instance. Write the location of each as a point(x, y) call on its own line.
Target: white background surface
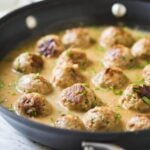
point(9, 5)
point(10, 139)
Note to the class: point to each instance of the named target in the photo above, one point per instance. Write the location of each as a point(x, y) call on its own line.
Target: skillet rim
point(43, 127)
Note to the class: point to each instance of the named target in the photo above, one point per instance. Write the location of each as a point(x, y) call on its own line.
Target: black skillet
point(55, 15)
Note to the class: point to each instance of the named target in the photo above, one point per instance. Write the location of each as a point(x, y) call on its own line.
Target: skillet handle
point(99, 146)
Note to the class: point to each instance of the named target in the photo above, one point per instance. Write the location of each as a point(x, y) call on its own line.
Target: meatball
point(136, 97)
point(141, 48)
point(118, 56)
point(78, 97)
point(49, 46)
point(66, 75)
point(34, 83)
point(101, 119)
point(139, 122)
point(146, 75)
point(115, 35)
point(70, 122)
point(33, 105)
point(73, 56)
point(77, 37)
point(110, 78)
point(28, 63)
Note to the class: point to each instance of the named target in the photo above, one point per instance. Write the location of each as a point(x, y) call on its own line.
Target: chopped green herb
point(146, 100)
point(69, 53)
point(101, 89)
point(116, 91)
point(13, 93)
point(118, 116)
point(93, 71)
point(11, 108)
point(86, 85)
point(13, 84)
point(139, 82)
point(33, 113)
point(2, 101)
point(1, 84)
point(52, 120)
point(118, 106)
point(136, 89)
point(100, 48)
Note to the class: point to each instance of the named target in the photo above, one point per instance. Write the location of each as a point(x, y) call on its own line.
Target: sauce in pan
point(108, 95)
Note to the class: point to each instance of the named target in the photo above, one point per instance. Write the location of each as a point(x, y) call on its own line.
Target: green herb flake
point(11, 108)
point(136, 89)
point(139, 82)
point(146, 100)
point(118, 107)
point(2, 101)
point(1, 84)
point(118, 116)
point(100, 48)
point(13, 84)
point(69, 53)
point(116, 91)
point(34, 113)
point(52, 120)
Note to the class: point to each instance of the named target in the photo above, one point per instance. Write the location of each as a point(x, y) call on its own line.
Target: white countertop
point(10, 139)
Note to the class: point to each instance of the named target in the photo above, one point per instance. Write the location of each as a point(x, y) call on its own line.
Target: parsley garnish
point(146, 100)
point(1, 84)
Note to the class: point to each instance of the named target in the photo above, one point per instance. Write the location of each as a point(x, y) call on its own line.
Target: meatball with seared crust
point(49, 46)
point(101, 119)
point(28, 63)
point(139, 122)
point(79, 97)
point(110, 78)
point(118, 56)
point(77, 37)
point(70, 122)
point(141, 48)
point(66, 75)
point(136, 97)
point(34, 83)
point(114, 35)
point(73, 56)
point(33, 105)
point(146, 75)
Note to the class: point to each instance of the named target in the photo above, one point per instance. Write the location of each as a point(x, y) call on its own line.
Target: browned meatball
point(142, 48)
point(110, 78)
point(34, 83)
point(33, 105)
point(101, 119)
point(118, 56)
point(146, 75)
point(136, 97)
point(115, 35)
point(66, 75)
point(73, 56)
point(28, 63)
point(79, 97)
point(70, 122)
point(77, 37)
point(49, 46)
point(139, 122)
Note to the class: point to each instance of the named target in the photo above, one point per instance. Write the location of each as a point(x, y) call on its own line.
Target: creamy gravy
point(8, 79)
